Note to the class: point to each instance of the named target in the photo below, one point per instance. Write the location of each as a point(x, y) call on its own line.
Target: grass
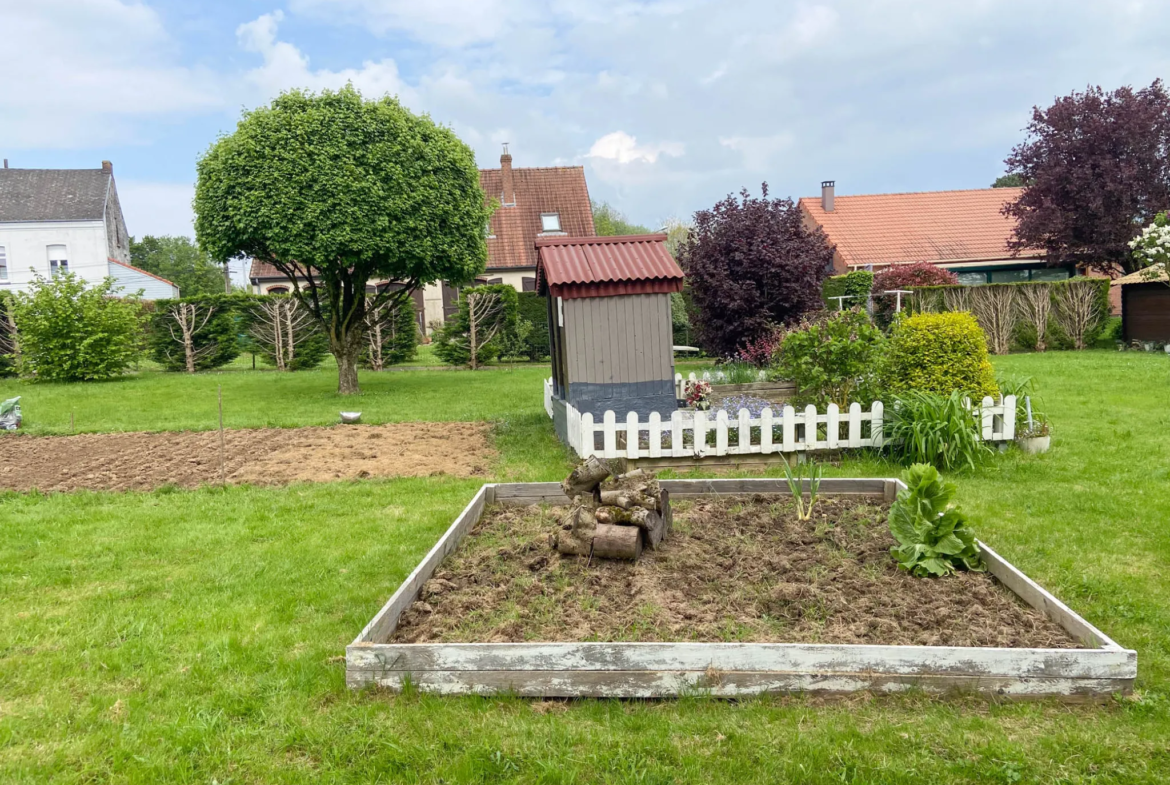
point(193, 636)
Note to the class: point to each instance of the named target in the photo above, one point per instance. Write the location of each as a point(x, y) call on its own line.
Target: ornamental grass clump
point(938, 353)
point(941, 430)
point(933, 536)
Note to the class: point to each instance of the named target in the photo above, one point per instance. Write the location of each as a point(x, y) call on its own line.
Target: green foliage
point(933, 536)
point(350, 190)
point(1013, 180)
point(453, 340)
point(924, 427)
point(833, 359)
point(534, 344)
point(939, 353)
point(856, 285)
point(312, 344)
point(216, 341)
point(181, 262)
point(796, 480)
point(8, 337)
point(680, 319)
point(738, 372)
point(70, 332)
point(403, 343)
point(608, 221)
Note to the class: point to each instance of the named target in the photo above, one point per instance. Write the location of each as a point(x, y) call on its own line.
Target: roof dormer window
point(550, 222)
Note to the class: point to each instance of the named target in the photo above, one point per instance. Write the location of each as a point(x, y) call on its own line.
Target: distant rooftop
point(53, 194)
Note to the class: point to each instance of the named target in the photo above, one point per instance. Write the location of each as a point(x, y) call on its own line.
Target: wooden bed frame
point(661, 670)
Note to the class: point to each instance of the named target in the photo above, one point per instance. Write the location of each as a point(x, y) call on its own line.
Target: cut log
point(655, 530)
point(576, 532)
point(617, 542)
point(586, 477)
point(628, 499)
point(667, 513)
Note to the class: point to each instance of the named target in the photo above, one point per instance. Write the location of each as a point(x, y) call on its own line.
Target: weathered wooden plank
point(384, 622)
point(734, 486)
point(734, 657)
point(1039, 598)
point(665, 684)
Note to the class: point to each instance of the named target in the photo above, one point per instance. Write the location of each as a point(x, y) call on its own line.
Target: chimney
point(107, 167)
point(828, 187)
point(5, 163)
point(508, 197)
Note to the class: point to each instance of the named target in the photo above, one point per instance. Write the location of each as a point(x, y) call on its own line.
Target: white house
point(54, 221)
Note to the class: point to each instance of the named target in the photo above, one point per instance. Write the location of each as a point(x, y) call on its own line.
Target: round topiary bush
point(939, 353)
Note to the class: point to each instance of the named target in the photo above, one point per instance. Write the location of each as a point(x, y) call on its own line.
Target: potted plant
point(699, 394)
point(1037, 437)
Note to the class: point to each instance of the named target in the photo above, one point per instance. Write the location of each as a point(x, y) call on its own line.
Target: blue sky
point(669, 105)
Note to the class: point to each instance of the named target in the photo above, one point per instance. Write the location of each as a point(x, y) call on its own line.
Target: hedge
point(533, 308)
point(216, 342)
point(857, 285)
point(938, 353)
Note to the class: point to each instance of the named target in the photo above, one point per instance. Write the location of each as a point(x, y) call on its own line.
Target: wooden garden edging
point(659, 670)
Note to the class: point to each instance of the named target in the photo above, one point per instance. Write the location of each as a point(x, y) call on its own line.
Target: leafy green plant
point(473, 334)
point(855, 286)
point(833, 359)
point(796, 485)
point(738, 373)
point(195, 333)
point(71, 332)
point(938, 353)
point(933, 536)
point(925, 427)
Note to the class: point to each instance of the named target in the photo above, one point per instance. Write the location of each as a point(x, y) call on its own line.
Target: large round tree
point(752, 264)
point(337, 192)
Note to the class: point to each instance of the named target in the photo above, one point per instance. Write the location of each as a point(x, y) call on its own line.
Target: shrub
point(855, 285)
point(280, 330)
point(8, 336)
point(833, 359)
point(680, 319)
point(926, 427)
point(70, 332)
point(939, 353)
point(532, 308)
point(760, 352)
point(1080, 305)
point(905, 276)
point(391, 335)
point(997, 309)
point(933, 536)
point(472, 335)
point(194, 333)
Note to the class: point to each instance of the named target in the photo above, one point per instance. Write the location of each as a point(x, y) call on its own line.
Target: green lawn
point(194, 636)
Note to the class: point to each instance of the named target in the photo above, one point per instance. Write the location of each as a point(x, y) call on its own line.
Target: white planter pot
point(350, 417)
point(1034, 445)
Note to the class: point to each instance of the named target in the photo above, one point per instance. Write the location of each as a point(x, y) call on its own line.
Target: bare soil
point(269, 456)
point(742, 569)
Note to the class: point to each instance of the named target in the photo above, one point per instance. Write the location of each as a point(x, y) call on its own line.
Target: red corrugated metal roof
point(600, 266)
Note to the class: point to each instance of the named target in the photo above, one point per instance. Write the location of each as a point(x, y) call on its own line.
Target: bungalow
point(57, 221)
point(963, 231)
point(532, 203)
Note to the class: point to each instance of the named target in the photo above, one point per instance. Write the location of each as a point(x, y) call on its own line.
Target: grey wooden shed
point(612, 346)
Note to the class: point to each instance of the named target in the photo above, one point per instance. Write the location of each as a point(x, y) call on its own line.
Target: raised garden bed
point(741, 599)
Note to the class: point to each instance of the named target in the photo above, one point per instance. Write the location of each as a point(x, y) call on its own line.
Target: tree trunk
point(346, 351)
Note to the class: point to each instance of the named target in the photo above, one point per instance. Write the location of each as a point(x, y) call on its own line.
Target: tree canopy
point(337, 192)
point(180, 261)
point(1097, 169)
point(1008, 181)
point(608, 221)
point(752, 264)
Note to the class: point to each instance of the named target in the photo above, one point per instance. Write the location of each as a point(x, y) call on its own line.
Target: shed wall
point(1146, 311)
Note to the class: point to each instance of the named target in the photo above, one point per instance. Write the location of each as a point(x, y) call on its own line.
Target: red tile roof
point(514, 229)
point(572, 267)
point(935, 226)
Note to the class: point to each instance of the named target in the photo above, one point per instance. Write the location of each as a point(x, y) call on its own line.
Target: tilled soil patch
point(741, 569)
point(142, 461)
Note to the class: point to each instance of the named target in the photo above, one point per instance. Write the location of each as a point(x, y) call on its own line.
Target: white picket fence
point(698, 434)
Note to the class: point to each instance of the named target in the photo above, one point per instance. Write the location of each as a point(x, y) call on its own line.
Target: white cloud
point(622, 148)
point(76, 73)
point(448, 23)
point(758, 152)
point(813, 22)
point(286, 67)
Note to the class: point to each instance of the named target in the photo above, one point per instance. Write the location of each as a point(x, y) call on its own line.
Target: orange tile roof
point(551, 189)
point(933, 226)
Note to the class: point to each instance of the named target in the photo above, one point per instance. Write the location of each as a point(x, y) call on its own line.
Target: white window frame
point(59, 265)
point(544, 227)
point(3, 264)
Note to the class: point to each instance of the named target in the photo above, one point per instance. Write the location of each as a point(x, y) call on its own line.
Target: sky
point(669, 105)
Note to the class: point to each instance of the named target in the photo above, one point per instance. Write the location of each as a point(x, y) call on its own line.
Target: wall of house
point(619, 353)
point(135, 281)
point(26, 246)
point(117, 238)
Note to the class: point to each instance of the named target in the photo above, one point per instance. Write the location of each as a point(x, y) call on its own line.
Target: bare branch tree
point(186, 319)
point(1036, 308)
point(485, 312)
point(1077, 310)
point(9, 338)
point(996, 308)
point(279, 327)
point(957, 299)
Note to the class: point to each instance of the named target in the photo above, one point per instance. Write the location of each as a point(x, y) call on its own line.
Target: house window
point(58, 260)
point(972, 279)
point(278, 290)
point(1008, 276)
point(1050, 274)
point(550, 222)
point(529, 284)
point(3, 264)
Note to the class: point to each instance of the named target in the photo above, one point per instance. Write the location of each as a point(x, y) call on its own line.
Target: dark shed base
point(623, 398)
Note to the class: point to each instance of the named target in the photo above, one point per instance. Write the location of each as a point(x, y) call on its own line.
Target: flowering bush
point(698, 394)
point(761, 351)
point(1152, 248)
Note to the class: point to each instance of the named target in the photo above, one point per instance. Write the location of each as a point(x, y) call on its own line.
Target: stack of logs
point(612, 517)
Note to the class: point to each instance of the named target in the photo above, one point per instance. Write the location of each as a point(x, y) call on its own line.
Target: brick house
point(532, 202)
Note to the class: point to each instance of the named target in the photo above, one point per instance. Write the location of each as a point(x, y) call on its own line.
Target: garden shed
point(1145, 306)
point(609, 316)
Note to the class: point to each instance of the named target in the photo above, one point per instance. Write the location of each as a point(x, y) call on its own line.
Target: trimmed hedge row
point(856, 285)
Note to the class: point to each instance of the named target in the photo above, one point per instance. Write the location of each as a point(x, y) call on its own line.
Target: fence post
point(573, 428)
point(609, 434)
point(988, 416)
point(679, 387)
point(788, 428)
point(632, 435)
point(766, 430)
point(655, 432)
point(700, 432)
point(877, 424)
point(1009, 417)
point(855, 424)
point(810, 427)
point(833, 427)
point(745, 432)
point(677, 449)
point(586, 445)
point(721, 432)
